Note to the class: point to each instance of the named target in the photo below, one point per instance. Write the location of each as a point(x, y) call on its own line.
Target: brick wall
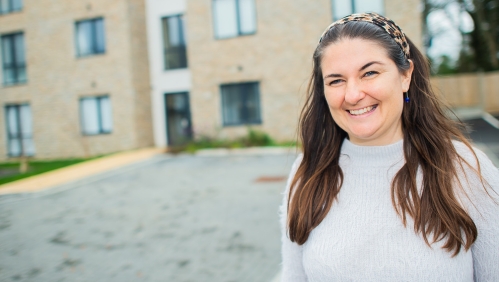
point(57, 78)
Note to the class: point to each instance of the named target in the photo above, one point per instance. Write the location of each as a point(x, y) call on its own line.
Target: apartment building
point(220, 66)
point(82, 78)
point(74, 78)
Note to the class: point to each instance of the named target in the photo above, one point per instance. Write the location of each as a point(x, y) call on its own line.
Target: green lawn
point(10, 171)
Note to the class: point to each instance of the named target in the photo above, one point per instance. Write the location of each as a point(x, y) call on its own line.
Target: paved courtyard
point(182, 218)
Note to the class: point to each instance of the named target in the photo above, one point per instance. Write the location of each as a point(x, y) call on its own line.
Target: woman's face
point(364, 90)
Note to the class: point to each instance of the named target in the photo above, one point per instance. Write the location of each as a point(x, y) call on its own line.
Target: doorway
point(178, 118)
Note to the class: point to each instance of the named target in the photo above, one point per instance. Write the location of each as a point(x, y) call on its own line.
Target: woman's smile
point(363, 111)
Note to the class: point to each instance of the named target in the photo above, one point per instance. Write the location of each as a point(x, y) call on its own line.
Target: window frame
point(183, 48)
point(11, 7)
point(238, 21)
point(19, 122)
point(15, 66)
point(101, 130)
point(93, 38)
point(354, 8)
point(259, 119)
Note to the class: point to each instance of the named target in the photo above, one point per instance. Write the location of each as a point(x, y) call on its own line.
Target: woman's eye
point(336, 81)
point(370, 73)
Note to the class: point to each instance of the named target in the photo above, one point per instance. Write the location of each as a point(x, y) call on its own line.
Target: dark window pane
point(19, 49)
point(90, 37)
point(241, 104)
point(13, 58)
point(9, 6)
point(7, 55)
point(9, 76)
point(17, 5)
point(100, 42)
point(4, 6)
point(174, 42)
point(19, 127)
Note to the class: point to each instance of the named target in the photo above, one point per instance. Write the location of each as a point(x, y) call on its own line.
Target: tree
point(485, 36)
point(480, 46)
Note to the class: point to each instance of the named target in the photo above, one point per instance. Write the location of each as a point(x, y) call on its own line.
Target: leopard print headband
point(388, 25)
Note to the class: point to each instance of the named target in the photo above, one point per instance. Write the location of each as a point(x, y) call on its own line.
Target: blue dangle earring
point(406, 98)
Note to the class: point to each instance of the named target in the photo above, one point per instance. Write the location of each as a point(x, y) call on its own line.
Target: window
point(241, 104)
point(9, 6)
point(174, 42)
point(343, 8)
point(13, 59)
point(19, 130)
point(234, 18)
point(96, 115)
point(90, 37)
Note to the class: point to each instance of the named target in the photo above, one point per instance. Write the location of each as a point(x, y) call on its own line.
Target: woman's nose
point(353, 94)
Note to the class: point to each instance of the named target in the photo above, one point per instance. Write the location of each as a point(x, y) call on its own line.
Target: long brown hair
point(427, 144)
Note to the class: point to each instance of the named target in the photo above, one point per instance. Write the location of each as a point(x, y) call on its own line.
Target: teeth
point(361, 111)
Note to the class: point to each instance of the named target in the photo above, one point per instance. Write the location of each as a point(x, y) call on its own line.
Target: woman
point(387, 188)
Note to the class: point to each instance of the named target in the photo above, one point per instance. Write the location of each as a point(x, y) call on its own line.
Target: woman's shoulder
point(294, 168)
point(297, 162)
point(479, 180)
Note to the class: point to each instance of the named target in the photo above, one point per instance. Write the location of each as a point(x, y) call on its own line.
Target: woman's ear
point(406, 79)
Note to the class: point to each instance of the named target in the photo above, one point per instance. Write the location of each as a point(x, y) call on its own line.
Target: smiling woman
point(387, 188)
point(363, 89)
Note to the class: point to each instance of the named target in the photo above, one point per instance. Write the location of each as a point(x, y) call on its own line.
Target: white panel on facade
point(164, 81)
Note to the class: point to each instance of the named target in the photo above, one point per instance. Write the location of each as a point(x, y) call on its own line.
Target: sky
point(444, 25)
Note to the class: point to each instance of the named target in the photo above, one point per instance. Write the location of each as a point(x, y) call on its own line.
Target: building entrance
point(178, 118)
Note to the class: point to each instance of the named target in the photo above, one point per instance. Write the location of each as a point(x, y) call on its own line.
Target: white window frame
point(19, 127)
point(13, 46)
point(343, 8)
point(91, 41)
point(244, 99)
point(96, 119)
point(175, 55)
point(242, 17)
point(10, 6)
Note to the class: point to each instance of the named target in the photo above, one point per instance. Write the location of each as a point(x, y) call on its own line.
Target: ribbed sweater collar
point(374, 155)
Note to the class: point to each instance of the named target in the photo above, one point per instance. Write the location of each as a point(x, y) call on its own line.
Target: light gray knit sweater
point(363, 239)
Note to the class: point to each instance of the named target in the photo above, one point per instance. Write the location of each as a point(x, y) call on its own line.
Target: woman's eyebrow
point(369, 64)
point(332, 75)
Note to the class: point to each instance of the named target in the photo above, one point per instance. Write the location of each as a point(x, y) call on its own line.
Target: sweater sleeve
point(292, 266)
point(483, 208)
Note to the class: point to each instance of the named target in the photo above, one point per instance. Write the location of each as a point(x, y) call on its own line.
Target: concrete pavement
point(77, 171)
point(166, 218)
